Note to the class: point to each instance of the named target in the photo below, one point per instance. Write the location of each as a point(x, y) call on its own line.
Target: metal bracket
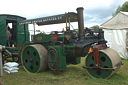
point(96, 53)
point(110, 69)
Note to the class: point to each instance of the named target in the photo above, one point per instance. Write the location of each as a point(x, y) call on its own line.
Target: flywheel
point(53, 59)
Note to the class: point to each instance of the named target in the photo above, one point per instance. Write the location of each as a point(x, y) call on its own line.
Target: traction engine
point(59, 49)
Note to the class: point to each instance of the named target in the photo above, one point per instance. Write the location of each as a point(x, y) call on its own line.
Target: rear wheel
point(34, 58)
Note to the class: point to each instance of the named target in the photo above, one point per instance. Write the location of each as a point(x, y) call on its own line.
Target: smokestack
point(80, 20)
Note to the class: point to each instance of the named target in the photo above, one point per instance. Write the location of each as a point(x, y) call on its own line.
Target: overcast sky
point(96, 12)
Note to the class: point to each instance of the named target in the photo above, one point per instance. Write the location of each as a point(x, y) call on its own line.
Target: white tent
point(115, 32)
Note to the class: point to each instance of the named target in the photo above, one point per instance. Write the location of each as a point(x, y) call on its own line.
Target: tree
point(117, 11)
point(124, 8)
point(95, 27)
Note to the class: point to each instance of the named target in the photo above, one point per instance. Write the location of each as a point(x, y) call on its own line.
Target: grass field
point(72, 75)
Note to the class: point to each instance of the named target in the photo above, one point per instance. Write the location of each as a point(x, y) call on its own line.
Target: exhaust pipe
point(80, 20)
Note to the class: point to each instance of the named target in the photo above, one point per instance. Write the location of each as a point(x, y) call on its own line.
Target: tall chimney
point(80, 20)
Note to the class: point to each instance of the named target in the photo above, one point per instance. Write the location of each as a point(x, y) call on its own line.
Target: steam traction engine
point(58, 49)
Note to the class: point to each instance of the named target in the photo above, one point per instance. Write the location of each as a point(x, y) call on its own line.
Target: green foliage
point(117, 11)
point(37, 30)
point(124, 8)
point(95, 27)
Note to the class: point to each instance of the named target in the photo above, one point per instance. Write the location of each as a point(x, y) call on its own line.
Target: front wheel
point(109, 63)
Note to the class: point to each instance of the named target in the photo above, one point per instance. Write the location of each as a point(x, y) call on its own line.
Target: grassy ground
point(72, 75)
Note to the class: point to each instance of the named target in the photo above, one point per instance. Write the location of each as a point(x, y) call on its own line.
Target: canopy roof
point(119, 21)
point(11, 16)
point(52, 19)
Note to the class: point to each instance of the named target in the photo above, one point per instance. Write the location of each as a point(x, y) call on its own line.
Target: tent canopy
point(115, 32)
point(119, 21)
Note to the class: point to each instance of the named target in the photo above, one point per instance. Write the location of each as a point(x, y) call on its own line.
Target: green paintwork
point(28, 54)
point(44, 38)
point(65, 56)
point(3, 30)
point(22, 45)
point(62, 58)
point(103, 63)
point(20, 34)
point(12, 50)
point(18, 30)
point(61, 37)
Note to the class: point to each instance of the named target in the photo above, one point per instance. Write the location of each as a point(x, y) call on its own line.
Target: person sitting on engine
point(8, 35)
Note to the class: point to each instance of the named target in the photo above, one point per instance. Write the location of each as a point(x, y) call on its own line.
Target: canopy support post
point(34, 31)
point(24, 32)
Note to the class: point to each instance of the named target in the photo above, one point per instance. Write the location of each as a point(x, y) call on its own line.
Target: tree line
point(124, 8)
